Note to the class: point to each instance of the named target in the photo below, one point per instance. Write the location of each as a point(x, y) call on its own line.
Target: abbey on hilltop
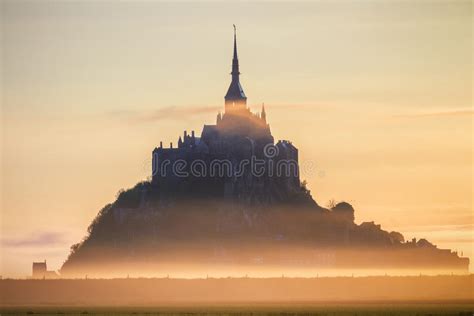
point(231, 199)
point(220, 160)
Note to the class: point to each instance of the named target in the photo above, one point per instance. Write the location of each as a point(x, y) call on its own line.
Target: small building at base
point(40, 271)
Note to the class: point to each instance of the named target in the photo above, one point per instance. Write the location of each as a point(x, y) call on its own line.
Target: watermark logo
point(270, 151)
point(193, 165)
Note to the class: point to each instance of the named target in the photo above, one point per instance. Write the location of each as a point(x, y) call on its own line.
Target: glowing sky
point(377, 95)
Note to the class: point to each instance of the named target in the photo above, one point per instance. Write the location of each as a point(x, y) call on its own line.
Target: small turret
point(185, 138)
point(263, 116)
point(219, 117)
point(180, 142)
point(161, 144)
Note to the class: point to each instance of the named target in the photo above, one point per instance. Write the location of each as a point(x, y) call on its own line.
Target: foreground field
point(321, 309)
point(422, 295)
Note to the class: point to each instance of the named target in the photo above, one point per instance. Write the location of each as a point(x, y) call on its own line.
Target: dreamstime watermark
point(271, 165)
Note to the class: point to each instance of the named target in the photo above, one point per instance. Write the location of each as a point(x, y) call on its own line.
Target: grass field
point(384, 295)
point(335, 309)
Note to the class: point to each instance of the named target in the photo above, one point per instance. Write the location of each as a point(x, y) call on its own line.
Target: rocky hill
point(142, 232)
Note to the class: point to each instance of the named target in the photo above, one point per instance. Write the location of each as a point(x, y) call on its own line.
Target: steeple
point(235, 59)
point(235, 94)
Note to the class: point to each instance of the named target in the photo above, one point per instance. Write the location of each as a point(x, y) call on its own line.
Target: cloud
point(439, 228)
point(296, 106)
point(35, 240)
point(185, 111)
point(166, 113)
point(460, 112)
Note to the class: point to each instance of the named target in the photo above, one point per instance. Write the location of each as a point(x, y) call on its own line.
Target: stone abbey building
point(231, 198)
point(235, 158)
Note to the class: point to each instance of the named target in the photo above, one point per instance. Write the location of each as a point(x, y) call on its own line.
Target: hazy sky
point(376, 94)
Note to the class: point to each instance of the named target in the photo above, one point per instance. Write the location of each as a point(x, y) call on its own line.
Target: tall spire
point(235, 94)
point(235, 59)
